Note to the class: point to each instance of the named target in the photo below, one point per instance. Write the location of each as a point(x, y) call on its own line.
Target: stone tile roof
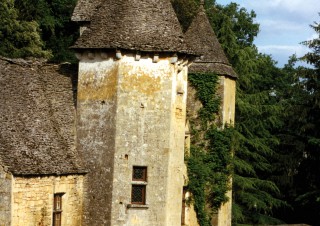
point(145, 25)
point(85, 9)
point(202, 39)
point(37, 119)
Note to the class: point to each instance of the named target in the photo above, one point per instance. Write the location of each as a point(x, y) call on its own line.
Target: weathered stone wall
point(228, 99)
point(33, 200)
point(5, 197)
point(132, 113)
point(96, 131)
point(176, 165)
point(227, 116)
point(227, 90)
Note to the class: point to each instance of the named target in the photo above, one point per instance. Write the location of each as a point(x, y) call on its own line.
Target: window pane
point(138, 194)
point(57, 199)
point(139, 173)
point(57, 219)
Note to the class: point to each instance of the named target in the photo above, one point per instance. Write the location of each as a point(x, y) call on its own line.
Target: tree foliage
point(37, 28)
point(255, 195)
point(19, 38)
point(57, 31)
point(209, 163)
point(298, 175)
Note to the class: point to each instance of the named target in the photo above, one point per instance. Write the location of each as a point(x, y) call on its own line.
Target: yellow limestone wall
point(33, 200)
point(228, 116)
point(5, 197)
point(227, 90)
point(132, 112)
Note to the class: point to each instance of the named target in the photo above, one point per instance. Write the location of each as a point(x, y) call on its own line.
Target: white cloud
point(283, 25)
point(300, 7)
point(313, 36)
point(280, 25)
point(300, 50)
point(281, 53)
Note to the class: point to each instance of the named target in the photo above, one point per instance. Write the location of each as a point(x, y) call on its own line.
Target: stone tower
point(131, 113)
point(214, 60)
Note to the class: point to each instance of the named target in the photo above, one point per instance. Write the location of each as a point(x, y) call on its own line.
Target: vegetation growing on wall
point(209, 163)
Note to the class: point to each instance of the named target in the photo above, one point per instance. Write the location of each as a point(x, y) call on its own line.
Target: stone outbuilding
point(39, 164)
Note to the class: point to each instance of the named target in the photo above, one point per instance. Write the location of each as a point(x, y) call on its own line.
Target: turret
point(131, 113)
point(202, 39)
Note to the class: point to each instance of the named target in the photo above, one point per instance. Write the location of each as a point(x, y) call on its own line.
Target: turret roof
point(85, 9)
point(145, 25)
point(202, 39)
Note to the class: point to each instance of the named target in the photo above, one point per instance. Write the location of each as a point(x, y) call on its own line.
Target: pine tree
point(300, 138)
point(257, 115)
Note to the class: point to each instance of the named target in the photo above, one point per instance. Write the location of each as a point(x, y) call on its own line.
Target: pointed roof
point(202, 39)
point(85, 9)
point(135, 25)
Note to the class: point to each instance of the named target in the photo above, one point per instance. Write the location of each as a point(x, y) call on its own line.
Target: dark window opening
point(139, 184)
point(57, 209)
point(139, 173)
point(138, 194)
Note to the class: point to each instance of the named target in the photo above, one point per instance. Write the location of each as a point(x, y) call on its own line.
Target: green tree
point(257, 115)
point(58, 32)
point(300, 138)
point(258, 111)
point(19, 38)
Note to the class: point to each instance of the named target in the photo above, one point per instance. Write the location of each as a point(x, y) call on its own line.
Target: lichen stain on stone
point(179, 113)
point(140, 81)
point(93, 86)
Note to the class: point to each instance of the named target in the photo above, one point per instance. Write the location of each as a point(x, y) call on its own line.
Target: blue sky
point(283, 25)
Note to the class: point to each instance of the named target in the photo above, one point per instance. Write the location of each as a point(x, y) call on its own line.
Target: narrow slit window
point(57, 209)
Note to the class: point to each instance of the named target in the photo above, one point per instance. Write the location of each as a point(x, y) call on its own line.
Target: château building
point(105, 145)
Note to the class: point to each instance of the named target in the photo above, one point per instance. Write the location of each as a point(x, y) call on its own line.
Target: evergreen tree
point(300, 139)
point(258, 112)
point(18, 38)
point(257, 115)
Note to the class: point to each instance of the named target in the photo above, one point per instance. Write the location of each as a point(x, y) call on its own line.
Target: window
point(57, 209)
point(139, 183)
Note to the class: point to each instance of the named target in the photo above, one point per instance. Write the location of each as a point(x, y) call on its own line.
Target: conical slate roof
point(145, 25)
point(202, 39)
point(85, 9)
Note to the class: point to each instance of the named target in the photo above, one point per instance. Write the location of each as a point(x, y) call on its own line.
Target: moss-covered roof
point(37, 119)
point(142, 25)
point(201, 38)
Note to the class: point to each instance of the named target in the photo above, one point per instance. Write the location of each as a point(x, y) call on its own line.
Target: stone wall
point(228, 99)
point(227, 90)
point(33, 200)
point(131, 112)
point(227, 116)
point(96, 131)
point(5, 197)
